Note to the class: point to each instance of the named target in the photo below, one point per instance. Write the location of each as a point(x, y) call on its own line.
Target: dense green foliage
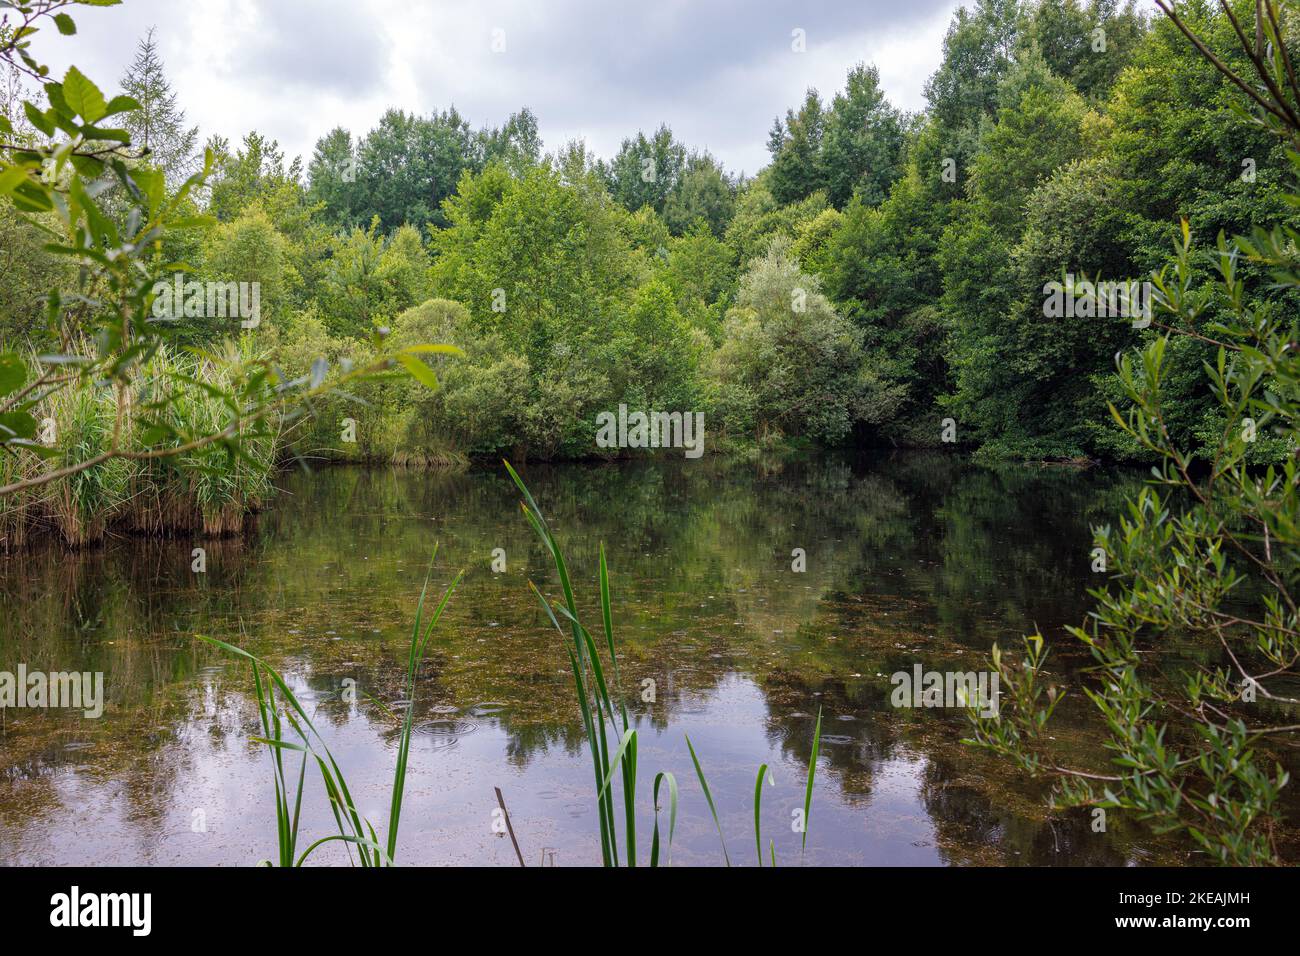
point(1208, 550)
point(108, 411)
point(885, 273)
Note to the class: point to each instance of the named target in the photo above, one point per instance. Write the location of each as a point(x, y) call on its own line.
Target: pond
point(916, 558)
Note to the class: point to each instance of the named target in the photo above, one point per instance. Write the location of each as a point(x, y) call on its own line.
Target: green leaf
point(122, 104)
point(812, 771)
point(704, 785)
point(83, 96)
point(65, 24)
point(419, 371)
point(193, 222)
point(17, 425)
point(150, 182)
point(102, 229)
point(103, 132)
point(433, 350)
point(11, 178)
point(13, 372)
point(89, 167)
point(55, 92)
point(35, 447)
point(38, 119)
point(29, 197)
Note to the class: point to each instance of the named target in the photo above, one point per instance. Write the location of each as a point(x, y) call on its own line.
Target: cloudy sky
point(717, 71)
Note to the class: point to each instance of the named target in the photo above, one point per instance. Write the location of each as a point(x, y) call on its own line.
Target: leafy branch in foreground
point(1211, 549)
point(105, 210)
point(597, 706)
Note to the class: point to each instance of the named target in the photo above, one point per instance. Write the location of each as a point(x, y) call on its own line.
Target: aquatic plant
point(81, 505)
point(596, 706)
point(177, 395)
point(353, 828)
point(213, 488)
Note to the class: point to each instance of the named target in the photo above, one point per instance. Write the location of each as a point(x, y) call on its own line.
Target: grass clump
point(178, 396)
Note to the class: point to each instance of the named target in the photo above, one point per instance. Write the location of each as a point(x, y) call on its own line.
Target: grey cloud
point(716, 72)
point(330, 45)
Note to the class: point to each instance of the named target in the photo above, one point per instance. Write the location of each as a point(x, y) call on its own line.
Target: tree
point(408, 164)
point(646, 171)
point(861, 148)
point(547, 271)
point(789, 365)
point(879, 266)
point(516, 145)
point(759, 218)
point(106, 343)
point(702, 274)
point(797, 169)
point(332, 176)
point(256, 173)
point(158, 126)
point(249, 249)
point(1042, 131)
point(703, 193)
point(1209, 553)
point(1088, 44)
point(977, 52)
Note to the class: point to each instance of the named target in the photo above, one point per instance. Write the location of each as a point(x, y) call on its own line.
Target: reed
point(354, 830)
point(82, 506)
point(211, 491)
point(597, 708)
point(19, 512)
point(214, 489)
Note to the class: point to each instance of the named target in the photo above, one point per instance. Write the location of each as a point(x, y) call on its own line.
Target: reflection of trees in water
point(898, 550)
point(974, 828)
point(973, 802)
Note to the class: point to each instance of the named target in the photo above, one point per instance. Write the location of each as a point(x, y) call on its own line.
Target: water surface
point(910, 558)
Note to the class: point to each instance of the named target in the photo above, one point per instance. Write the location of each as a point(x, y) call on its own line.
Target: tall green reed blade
point(758, 804)
point(272, 722)
point(629, 768)
point(704, 784)
point(584, 657)
point(588, 726)
point(812, 771)
point(354, 830)
point(286, 824)
point(595, 728)
point(672, 817)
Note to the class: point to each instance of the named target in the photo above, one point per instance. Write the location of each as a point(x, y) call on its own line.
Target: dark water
point(910, 558)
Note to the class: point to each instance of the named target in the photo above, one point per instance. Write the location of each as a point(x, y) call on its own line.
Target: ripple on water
point(445, 727)
point(443, 734)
